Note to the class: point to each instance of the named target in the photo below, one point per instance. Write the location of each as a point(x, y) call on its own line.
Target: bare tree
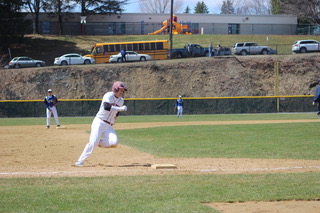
point(227, 7)
point(159, 6)
point(58, 7)
point(34, 6)
point(251, 7)
point(307, 11)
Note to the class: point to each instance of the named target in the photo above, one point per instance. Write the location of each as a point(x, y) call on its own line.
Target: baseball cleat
point(79, 164)
point(48, 127)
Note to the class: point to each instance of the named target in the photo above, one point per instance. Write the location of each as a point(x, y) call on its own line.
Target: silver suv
point(250, 48)
point(304, 46)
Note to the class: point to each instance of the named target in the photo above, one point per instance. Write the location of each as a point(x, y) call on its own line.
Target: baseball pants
point(55, 115)
point(102, 135)
point(179, 111)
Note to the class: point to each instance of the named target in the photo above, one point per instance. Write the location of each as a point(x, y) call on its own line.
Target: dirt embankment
point(198, 77)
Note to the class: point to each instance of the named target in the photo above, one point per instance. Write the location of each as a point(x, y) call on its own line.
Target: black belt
point(107, 122)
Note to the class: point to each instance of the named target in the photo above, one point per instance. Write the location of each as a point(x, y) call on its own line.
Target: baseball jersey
point(50, 101)
point(111, 115)
point(179, 103)
point(317, 95)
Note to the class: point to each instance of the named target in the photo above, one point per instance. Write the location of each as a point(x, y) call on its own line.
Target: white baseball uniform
point(102, 132)
point(50, 102)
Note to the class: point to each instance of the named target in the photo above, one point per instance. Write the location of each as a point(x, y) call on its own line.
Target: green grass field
point(283, 43)
point(179, 193)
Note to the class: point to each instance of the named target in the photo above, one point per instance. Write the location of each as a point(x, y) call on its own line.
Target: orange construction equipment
point(177, 28)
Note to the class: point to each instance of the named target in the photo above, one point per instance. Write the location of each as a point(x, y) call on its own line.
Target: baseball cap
point(119, 84)
point(49, 90)
point(180, 96)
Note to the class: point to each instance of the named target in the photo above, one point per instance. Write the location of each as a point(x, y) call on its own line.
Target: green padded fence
point(164, 106)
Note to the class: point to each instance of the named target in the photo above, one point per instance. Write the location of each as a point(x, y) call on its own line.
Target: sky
point(213, 5)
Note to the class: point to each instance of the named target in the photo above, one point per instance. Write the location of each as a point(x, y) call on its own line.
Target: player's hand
point(123, 108)
point(313, 103)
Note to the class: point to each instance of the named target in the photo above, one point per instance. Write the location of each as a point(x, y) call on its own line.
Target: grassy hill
point(47, 47)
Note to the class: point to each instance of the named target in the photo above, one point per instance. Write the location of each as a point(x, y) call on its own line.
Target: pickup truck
point(251, 48)
point(190, 50)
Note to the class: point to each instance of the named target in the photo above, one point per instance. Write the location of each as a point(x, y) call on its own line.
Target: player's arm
point(109, 107)
point(55, 101)
point(46, 103)
point(317, 95)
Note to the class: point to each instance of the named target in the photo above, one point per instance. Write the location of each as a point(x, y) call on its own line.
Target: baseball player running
point(51, 101)
point(179, 106)
point(102, 132)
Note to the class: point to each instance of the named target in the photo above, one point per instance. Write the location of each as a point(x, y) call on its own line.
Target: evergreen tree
point(187, 10)
point(275, 7)
point(201, 8)
point(227, 7)
point(12, 23)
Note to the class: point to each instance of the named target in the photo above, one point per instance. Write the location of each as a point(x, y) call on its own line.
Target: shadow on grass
point(42, 49)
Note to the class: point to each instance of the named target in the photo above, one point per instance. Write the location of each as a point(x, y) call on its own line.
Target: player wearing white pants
point(51, 101)
point(179, 106)
point(50, 111)
point(102, 133)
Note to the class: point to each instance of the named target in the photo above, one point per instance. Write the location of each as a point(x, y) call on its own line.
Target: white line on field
point(194, 170)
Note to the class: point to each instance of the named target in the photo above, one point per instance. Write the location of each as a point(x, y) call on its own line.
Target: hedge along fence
point(164, 106)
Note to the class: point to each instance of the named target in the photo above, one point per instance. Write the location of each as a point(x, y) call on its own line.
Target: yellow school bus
point(157, 49)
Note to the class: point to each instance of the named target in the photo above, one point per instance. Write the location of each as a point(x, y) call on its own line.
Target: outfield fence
point(164, 106)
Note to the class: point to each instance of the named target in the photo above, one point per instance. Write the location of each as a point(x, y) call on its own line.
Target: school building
point(144, 23)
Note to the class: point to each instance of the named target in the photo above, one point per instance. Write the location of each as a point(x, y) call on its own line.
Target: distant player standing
point(179, 106)
point(102, 133)
point(316, 98)
point(51, 101)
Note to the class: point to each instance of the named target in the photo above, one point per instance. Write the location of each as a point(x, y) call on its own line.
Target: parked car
point(24, 61)
point(251, 48)
point(224, 51)
point(190, 50)
point(304, 46)
point(131, 56)
point(73, 58)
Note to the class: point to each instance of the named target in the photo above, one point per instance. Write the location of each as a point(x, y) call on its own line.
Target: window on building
point(46, 27)
point(233, 28)
point(121, 28)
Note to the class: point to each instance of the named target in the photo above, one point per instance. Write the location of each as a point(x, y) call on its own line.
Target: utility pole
point(171, 20)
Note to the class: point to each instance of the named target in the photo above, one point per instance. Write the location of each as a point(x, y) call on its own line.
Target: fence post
point(276, 83)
